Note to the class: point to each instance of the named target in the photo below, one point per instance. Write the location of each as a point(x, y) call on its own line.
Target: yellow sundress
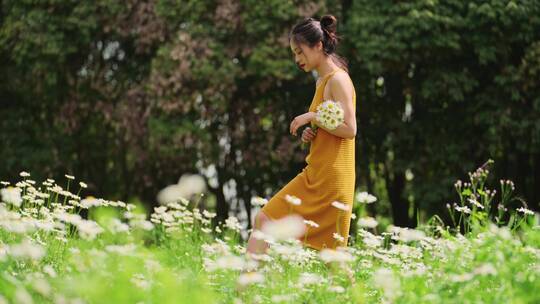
point(328, 176)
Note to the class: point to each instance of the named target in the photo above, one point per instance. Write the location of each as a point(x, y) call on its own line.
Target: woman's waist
point(333, 168)
point(337, 160)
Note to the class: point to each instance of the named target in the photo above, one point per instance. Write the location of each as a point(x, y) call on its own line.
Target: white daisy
point(365, 198)
point(293, 200)
point(250, 278)
point(311, 223)
point(341, 206)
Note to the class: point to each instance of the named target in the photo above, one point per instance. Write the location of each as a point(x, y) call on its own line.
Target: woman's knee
point(260, 219)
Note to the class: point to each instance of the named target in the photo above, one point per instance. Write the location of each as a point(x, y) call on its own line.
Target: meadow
point(58, 247)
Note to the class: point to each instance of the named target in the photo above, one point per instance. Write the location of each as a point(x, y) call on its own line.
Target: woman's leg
point(254, 245)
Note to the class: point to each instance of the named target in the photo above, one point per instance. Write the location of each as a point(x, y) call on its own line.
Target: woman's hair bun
point(329, 23)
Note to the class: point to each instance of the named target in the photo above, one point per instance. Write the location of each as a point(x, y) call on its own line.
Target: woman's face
point(306, 58)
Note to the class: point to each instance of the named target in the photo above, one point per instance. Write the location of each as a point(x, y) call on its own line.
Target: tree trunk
point(222, 208)
point(535, 203)
point(414, 223)
point(244, 195)
point(400, 206)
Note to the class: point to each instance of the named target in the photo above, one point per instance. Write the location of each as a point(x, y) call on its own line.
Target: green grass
point(494, 258)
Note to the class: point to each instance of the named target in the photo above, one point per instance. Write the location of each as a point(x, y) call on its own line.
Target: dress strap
point(319, 92)
point(331, 73)
point(325, 78)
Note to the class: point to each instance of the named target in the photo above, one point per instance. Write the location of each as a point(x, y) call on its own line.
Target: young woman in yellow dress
point(329, 176)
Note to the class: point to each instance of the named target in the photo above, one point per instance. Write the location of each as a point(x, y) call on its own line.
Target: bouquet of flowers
point(329, 114)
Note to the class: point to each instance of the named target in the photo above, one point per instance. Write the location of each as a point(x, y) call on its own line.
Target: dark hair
point(310, 31)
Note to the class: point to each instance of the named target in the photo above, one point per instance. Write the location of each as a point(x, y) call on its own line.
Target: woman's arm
point(341, 89)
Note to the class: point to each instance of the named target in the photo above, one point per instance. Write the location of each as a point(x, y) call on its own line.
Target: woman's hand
point(301, 120)
point(308, 135)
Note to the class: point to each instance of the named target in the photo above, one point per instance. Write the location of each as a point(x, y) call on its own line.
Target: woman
point(329, 175)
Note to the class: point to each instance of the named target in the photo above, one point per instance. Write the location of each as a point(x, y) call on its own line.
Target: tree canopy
point(128, 96)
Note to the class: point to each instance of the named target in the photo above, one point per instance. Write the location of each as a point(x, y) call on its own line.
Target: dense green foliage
point(130, 95)
point(459, 86)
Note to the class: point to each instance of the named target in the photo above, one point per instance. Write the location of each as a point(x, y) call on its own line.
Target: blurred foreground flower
point(250, 278)
point(12, 196)
point(231, 262)
point(188, 185)
point(291, 226)
point(341, 206)
point(27, 250)
point(331, 255)
point(293, 200)
point(367, 222)
point(258, 201)
point(406, 234)
point(385, 279)
point(365, 198)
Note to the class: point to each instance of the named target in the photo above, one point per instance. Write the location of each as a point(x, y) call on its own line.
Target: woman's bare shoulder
point(339, 76)
point(341, 80)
